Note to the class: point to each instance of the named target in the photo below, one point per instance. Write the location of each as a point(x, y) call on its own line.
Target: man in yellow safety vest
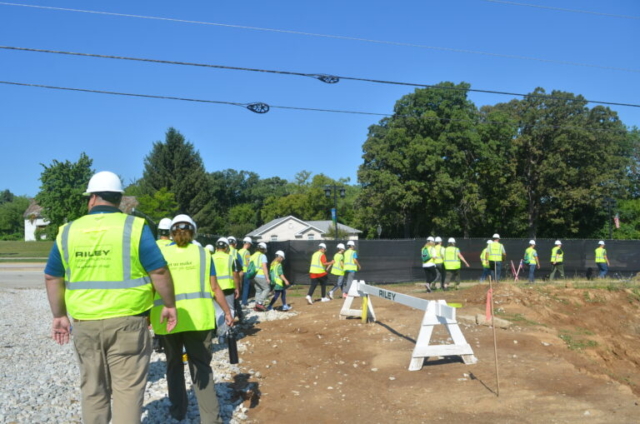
point(557, 260)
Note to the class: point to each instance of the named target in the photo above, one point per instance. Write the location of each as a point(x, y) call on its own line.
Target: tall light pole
point(328, 189)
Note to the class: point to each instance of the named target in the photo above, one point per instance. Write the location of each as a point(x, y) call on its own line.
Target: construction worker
point(238, 274)
point(497, 254)
point(531, 259)
point(484, 259)
point(225, 266)
point(428, 264)
point(245, 256)
point(196, 285)
point(102, 271)
point(318, 273)
point(164, 228)
point(351, 264)
point(557, 260)
point(261, 280)
point(338, 270)
point(280, 282)
point(452, 258)
point(438, 259)
point(602, 260)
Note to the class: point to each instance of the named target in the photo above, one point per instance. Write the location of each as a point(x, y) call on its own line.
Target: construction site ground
point(570, 355)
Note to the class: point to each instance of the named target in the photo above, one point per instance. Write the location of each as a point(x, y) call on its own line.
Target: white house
point(292, 228)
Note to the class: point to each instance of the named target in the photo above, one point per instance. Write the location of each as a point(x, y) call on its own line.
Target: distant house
point(34, 221)
point(292, 228)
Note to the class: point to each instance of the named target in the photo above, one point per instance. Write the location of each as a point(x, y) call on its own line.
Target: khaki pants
point(113, 355)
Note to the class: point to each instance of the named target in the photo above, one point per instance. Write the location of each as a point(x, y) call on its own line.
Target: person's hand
point(237, 295)
point(171, 315)
point(61, 329)
point(228, 319)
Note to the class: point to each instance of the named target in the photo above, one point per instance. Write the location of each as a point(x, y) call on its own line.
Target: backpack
point(251, 270)
point(426, 254)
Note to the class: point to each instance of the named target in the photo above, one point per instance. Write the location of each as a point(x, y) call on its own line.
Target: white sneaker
point(309, 300)
point(325, 299)
point(331, 295)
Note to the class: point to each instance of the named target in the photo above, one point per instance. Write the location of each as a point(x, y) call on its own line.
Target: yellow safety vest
point(601, 252)
point(438, 254)
point(316, 264)
point(495, 252)
point(276, 271)
point(103, 274)
point(530, 256)
point(349, 262)
point(163, 243)
point(451, 259)
point(224, 266)
point(255, 258)
point(246, 257)
point(338, 264)
point(483, 258)
point(555, 256)
point(191, 269)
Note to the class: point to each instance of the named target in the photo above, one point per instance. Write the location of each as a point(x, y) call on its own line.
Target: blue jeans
point(485, 273)
point(497, 266)
point(604, 268)
point(532, 272)
point(246, 286)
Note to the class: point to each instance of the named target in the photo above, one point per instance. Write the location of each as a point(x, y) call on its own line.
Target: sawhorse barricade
point(436, 313)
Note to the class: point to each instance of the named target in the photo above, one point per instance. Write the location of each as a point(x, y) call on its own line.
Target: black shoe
point(428, 287)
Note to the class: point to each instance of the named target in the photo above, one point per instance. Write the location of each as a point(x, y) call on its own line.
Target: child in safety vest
point(280, 282)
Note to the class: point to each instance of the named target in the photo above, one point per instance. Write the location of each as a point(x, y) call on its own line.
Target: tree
point(162, 204)
point(11, 217)
point(61, 193)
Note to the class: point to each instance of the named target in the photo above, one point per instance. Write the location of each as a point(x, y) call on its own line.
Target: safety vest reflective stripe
point(495, 252)
point(451, 260)
point(600, 254)
point(555, 256)
point(185, 296)
point(337, 268)
point(349, 262)
point(275, 275)
point(245, 255)
point(107, 285)
point(316, 264)
point(530, 255)
point(224, 266)
point(255, 258)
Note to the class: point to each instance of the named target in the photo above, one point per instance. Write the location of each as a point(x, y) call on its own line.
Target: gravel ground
point(40, 379)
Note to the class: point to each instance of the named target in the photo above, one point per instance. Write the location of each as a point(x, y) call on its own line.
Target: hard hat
point(247, 240)
point(451, 240)
point(489, 241)
point(232, 240)
point(532, 242)
point(322, 246)
point(558, 242)
point(280, 253)
point(182, 218)
point(104, 181)
point(438, 240)
point(341, 246)
point(222, 243)
point(496, 236)
point(351, 243)
point(430, 238)
point(601, 242)
point(262, 245)
point(209, 247)
point(165, 224)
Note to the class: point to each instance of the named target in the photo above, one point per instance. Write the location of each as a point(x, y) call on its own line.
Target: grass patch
point(519, 319)
point(34, 251)
point(577, 343)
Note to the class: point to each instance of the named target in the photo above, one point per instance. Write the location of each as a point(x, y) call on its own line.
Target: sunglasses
point(182, 226)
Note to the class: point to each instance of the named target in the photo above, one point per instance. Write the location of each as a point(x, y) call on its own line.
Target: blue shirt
point(150, 255)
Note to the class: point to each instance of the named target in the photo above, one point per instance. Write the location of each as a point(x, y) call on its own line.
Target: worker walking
point(261, 280)
point(428, 264)
point(497, 254)
point(351, 263)
point(602, 260)
point(196, 284)
point(438, 259)
point(531, 259)
point(164, 228)
point(318, 273)
point(245, 256)
point(452, 259)
point(484, 260)
point(338, 270)
point(102, 271)
point(225, 267)
point(557, 260)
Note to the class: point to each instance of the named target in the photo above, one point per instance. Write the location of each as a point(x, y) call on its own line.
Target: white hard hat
point(438, 240)
point(247, 240)
point(185, 219)
point(322, 246)
point(558, 242)
point(165, 224)
point(351, 243)
point(532, 242)
point(496, 236)
point(280, 253)
point(222, 242)
point(262, 245)
point(451, 240)
point(104, 181)
point(232, 240)
point(209, 247)
point(489, 241)
point(601, 242)
point(341, 246)
point(430, 238)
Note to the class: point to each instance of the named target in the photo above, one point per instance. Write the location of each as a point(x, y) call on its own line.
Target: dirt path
point(317, 368)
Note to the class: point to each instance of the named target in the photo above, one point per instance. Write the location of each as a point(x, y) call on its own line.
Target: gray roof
point(326, 226)
point(322, 226)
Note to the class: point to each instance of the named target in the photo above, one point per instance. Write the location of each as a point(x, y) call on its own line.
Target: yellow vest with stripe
point(163, 243)
point(103, 275)
point(601, 252)
point(190, 268)
point(483, 258)
point(451, 259)
point(275, 271)
point(438, 254)
point(495, 252)
point(316, 264)
point(246, 256)
point(338, 264)
point(555, 256)
point(224, 266)
point(349, 262)
point(530, 256)
point(255, 258)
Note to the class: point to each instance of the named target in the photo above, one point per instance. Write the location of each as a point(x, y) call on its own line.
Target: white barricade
point(436, 313)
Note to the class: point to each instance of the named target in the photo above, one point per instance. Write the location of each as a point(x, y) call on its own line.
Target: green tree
point(241, 220)
point(12, 217)
point(61, 192)
point(162, 204)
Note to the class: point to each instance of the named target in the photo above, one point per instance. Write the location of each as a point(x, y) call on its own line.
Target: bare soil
point(571, 355)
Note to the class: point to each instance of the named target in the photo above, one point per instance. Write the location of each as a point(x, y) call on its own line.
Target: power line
point(331, 79)
point(610, 15)
point(264, 108)
point(339, 37)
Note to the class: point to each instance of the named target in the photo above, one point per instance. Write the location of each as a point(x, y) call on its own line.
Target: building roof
point(326, 226)
point(323, 227)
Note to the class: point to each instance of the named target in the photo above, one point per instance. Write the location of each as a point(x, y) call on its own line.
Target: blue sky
point(39, 125)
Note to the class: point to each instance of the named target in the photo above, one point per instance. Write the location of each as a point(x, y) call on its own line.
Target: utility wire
point(331, 79)
point(610, 15)
point(264, 108)
point(339, 37)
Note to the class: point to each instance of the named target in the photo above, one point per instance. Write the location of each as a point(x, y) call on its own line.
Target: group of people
point(442, 264)
point(343, 267)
